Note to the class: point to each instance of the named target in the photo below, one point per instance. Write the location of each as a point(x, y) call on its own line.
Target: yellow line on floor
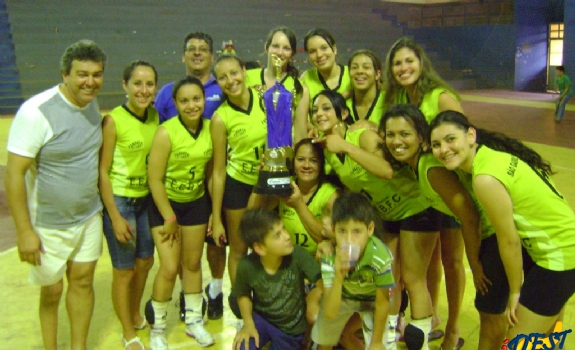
point(513, 101)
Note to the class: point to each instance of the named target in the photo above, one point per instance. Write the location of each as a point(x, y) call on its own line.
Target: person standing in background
point(198, 57)
point(563, 85)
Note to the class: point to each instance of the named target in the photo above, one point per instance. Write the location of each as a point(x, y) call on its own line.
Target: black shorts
point(428, 220)
point(495, 301)
point(188, 214)
point(448, 221)
point(236, 194)
point(545, 292)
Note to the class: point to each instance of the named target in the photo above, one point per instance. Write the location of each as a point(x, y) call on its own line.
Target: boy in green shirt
point(270, 285)
point(563, 85)
point(354, 281)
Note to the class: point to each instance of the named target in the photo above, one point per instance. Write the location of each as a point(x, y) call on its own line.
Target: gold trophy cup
point(274, 179)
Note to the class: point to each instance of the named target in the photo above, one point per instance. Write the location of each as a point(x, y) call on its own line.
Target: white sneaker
point(196, 330)
point(235, 323)
point(391, 341)
point(158, 340)
point(391, 345)
point(238, 324)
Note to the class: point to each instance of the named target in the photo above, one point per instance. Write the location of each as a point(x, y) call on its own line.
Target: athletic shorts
point(448, 221)
point(495, 300)
point(544, 291)
point(188, 214)
point(80, 243)
point(236, 194)
point(327, 332)
point(428, 220)
point(135, 211)
point(278, 339)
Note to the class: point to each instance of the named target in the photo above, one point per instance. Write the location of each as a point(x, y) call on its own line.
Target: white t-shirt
point(64, 140)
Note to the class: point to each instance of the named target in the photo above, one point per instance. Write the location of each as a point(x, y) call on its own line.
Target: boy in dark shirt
point(269, 286)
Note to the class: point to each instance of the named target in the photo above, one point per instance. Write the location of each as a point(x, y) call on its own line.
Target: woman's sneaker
point(196, 330)
point(215, 305)
point(158, 340)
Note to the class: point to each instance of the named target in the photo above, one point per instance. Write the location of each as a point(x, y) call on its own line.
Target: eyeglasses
point(200, 49)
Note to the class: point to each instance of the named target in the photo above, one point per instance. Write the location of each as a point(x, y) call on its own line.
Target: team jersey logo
point(136, 145)
point(182, 155)
point(213, 98)
point(239, 132)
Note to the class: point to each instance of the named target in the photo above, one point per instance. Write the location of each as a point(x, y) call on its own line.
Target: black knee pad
point(149, 313)
point(414, 337)
point(404, 301)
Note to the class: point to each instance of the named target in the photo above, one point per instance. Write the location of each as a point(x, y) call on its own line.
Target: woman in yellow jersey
point(326, 73)
point(180, 169)
point(410, 78)
point(513, 185)
point(282, 44)
point(405, 130)
point(239, 123)
point(302, 212)
point(128, 131)
point(366, 104)
point(357, 159)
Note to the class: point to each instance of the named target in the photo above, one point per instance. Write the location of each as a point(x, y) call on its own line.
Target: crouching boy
point(269, 285)
point(357, 278)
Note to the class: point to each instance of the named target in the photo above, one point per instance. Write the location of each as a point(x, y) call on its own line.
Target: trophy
point(274, 179)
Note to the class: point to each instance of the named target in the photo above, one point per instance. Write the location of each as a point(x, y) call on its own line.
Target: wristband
point(173, 218)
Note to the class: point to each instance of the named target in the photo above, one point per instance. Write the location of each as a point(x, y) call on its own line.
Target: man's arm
point(29, 245)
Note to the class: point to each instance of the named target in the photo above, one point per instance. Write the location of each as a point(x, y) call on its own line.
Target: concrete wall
point(154, 31)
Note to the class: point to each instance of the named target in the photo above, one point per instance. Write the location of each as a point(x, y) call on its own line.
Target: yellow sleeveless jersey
point(293, 224)
point(394, 199)
point(544, 220)
point(316, 84)
point(247, 130)
point(129, 171)
point(190, 153)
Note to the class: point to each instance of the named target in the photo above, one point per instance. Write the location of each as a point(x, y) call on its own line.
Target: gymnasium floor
point(526, 116)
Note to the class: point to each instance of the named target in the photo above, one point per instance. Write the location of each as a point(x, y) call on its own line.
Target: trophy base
point(276, 183)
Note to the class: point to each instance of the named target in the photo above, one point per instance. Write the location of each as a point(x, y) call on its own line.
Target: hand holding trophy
point(274, 178)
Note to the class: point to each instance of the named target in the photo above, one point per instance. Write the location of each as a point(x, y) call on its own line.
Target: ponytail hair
point(495, 140)
point(291, 70)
